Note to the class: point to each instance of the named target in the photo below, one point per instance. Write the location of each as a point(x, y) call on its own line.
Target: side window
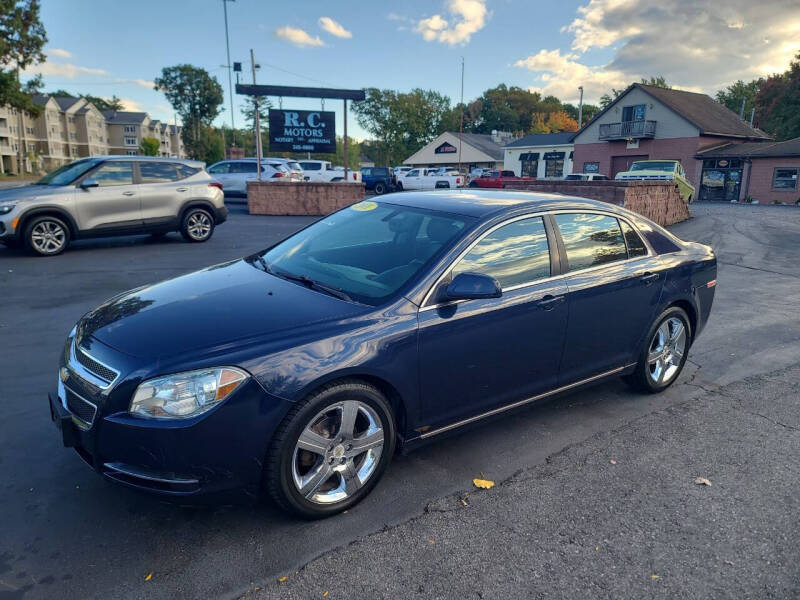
point(412, 173)
point(153, 172)
point(114, 173)
point(310, 166)
point(244, 167)
point(591, 239)
point(220, 169)
point(514, 254)
point(366, 171)
point(635, 244)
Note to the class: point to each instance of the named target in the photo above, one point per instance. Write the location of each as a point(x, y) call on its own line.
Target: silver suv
point(112, 195)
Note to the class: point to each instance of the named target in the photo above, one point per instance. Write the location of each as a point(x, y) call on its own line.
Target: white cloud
point(145, 83)
point(334, 28)
point(59, 52)
point(298, 37)
point(465, 18)
point(131, 105)
point(68, 70)
point(694, 44)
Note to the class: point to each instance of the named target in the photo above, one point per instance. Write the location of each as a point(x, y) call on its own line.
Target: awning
point(529, 156)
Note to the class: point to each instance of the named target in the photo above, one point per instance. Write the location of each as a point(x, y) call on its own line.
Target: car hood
point(29, 192)
point(207, 309)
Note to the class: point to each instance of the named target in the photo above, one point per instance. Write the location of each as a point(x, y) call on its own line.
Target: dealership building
point(477, 150)
point(540, 155)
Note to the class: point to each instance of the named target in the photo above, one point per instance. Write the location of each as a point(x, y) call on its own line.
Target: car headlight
point(185, 395)
point(6, 208)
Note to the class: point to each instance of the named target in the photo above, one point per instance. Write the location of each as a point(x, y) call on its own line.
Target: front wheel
point(46, 236)
point(331, 450)
point(472, 184)
point(399, 186)
point(663, 358)
point(197, 225)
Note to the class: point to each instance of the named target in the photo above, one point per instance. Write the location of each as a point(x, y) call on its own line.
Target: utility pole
point(752, 114)
point(741, 110)
point(228, 65)
point(20, 127)
point(580, 108)
point(257, 119)
point(461, 120)
point(345, 139)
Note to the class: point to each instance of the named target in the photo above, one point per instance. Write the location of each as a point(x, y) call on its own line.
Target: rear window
point(294, 166)
point(366, 171)
point(153, 172)
point(591, 239)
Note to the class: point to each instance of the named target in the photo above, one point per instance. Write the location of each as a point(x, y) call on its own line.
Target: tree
point(589, 111)
point(733, 95)
point(657, 81)
point(196, 96)
point(113, 103)
point(778, 102)
point(149, 146)
point(249, 112)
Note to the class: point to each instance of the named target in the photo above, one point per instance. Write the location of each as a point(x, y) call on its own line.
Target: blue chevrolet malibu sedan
point(300, 370)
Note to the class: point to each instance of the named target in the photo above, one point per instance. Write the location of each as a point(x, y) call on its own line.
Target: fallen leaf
point(148, 577)
point(597, 547)
point(485, 484)
point(325, 595)
point(702, 481)
point(283, 578)
point(464, 501)
point(612, 461)
point(654, 576)
point(431, 542)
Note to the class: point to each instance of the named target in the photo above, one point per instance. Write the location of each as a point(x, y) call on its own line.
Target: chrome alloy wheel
point(337, 452)
point(199, 225)
point(48, 237)
point(666, 351)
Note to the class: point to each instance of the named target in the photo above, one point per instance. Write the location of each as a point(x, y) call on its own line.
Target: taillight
point(458, 180)
point(355, 178)
point(279, 174)
point(215, 184)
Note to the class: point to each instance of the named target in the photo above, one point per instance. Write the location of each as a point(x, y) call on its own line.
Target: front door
point(476, 355)
point(619, 164)
point(614, 287)
point(114, 203)
point(413, 179)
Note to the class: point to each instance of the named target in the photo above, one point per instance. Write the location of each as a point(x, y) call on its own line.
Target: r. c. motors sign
point(302, 131)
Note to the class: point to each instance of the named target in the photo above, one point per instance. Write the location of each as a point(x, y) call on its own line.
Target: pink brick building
point(647, 122)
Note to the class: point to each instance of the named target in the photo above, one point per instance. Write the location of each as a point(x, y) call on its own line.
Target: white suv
point(234, 174)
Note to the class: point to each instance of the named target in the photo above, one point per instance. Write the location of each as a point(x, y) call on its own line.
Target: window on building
point(73, 136)
point(130, 141)
point(784, 179)
point(634, 113)
point(153, 172)
point(71, 119)
point(514, 254)
point(591, 167)
point(129, 129)
point(131, 152)
point(591, 239)
point(114, 173)
point(554, 165)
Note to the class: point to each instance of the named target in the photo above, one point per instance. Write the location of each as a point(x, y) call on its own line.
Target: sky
point(104, 48)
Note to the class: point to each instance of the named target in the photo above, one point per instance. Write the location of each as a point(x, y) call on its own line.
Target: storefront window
point(554, 167)
point(530, 168)
point(785, 179)
point(591, 167)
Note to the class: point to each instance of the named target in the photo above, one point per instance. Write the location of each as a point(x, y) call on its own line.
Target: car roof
point(482, 203)
point(186, 161)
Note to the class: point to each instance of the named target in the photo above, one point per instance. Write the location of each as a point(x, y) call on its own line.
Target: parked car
point(386, 324)
point(235, 173)
point(401, 170)
point(112, 195)
point(444, 171)
point(497, 179)
point(585, 177)
point(421, 179)
point(475, 173)
point(378, 179)
point(660, 170)
point(294, 168)
point(323, 170)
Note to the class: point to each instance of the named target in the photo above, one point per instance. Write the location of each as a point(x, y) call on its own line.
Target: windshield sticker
point(364, 206)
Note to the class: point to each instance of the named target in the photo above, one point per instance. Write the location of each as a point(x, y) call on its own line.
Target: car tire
point(197, 225)
point(664, 355)
point(46, 235)
point(442, 185)
point(399, 186)
point(380, 189)
point(314, 484)
point(472, 184)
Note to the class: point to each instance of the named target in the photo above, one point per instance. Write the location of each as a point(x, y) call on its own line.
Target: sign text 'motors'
point(302, 131)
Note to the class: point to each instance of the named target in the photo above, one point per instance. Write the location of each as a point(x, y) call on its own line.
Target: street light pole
point(580, 108)
point(228, 64)
point(257, 108)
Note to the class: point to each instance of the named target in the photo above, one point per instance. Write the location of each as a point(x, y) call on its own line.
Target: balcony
point(628, 130)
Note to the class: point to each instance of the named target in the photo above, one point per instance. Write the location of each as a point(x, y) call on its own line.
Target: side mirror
point(472, 286)
point(89, 183)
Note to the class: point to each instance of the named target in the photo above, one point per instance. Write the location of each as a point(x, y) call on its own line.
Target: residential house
point(126, 131)
point(540, 155)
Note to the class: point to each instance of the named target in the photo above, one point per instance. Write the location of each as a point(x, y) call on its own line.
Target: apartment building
point(71, 128)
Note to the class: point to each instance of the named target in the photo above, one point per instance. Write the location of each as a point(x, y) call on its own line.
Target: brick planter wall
point(301, 198)
point(656, 200)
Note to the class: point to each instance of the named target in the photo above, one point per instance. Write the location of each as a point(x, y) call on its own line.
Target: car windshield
point(365, 252)
point(68, 173)
point(668, 167)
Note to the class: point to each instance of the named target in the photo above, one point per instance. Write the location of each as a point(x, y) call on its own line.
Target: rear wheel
point(399, 186)
point(472, 184)
point(197, 225)
point(664, 356)
point(331, 450)
point(380, 188)
point(46, 236)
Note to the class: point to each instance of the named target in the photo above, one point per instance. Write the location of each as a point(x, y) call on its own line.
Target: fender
point(46, 209)
point(197, 202)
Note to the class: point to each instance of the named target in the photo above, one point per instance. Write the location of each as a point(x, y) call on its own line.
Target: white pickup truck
point(427, 179)
point(323, 171)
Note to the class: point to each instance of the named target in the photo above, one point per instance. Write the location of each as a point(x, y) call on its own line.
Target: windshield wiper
point(263, 264)
point(316, 285)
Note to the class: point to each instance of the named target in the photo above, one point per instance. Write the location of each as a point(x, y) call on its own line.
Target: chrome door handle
point(649, 278)
point(181, 189)
point(548, 302)
point(127, 193)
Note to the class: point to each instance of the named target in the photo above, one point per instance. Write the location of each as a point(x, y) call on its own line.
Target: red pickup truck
point(497, 179)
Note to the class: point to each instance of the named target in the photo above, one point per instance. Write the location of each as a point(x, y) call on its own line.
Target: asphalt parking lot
point(66, 533)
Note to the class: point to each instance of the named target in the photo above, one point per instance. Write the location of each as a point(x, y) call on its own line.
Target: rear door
point(221, 172)
point(241, 172)
point(614, 282)
point(114, 203)
point(160, 192)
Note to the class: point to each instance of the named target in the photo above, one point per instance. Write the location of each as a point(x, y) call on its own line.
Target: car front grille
point(80, 407)
point(105, 374)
